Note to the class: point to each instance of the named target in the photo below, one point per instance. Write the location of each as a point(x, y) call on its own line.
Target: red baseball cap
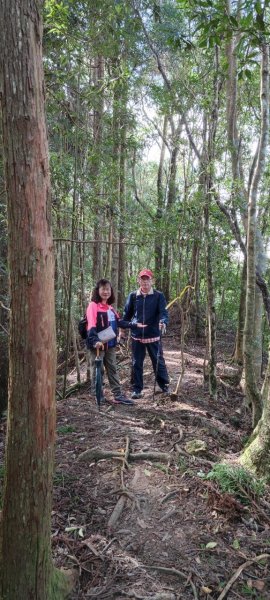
point(146, 273)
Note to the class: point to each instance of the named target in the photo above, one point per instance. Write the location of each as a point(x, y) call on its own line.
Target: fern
point(236, 481)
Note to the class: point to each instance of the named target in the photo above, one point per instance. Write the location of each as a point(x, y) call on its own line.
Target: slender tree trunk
point(209, 192)
point(115, 197)
point(211, 311)
point(160, 208)
point(167, 260)
point(253, 394)
point(122, 202)
point(72, 248)
point(193, 295)
point(26, 565)
point(82, 301)
point(98, 79)
point(238, 349)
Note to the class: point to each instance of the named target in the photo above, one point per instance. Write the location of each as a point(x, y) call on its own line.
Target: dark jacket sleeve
point(128, 320)
point(163, 313)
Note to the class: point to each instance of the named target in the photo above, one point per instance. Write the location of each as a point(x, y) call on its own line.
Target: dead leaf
point(258, 585)
point(142, 524)
point(206, 590)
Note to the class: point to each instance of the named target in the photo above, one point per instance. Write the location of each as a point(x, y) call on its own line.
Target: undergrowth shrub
point(236, 481)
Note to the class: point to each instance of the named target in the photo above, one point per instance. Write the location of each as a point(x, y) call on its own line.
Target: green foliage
point(213, 24)
point(236, 481)
point(61, 479)
point(66, 429)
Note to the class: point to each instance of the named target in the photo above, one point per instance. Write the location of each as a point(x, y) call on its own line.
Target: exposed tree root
point(238, 573)
point(98, 454)
point(176, 572)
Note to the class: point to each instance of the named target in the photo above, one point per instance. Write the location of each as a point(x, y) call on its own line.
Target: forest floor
point(151, 526)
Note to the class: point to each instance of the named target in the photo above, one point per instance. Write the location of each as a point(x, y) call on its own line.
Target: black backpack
point(82, 327)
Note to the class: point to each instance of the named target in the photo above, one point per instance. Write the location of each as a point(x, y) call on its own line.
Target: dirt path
point(156, 529)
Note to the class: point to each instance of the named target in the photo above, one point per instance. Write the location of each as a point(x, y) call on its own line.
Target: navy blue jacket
point(149, 310)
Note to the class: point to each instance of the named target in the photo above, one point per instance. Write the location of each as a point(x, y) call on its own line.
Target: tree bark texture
point(26, 567)
point(256, 455)
point(4, 319)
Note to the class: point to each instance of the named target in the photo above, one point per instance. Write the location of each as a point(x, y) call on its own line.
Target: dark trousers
point(155, 352)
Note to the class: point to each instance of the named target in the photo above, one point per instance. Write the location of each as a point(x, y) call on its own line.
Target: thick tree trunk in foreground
point(4, 314)
point(26, 566)
point(256, 456)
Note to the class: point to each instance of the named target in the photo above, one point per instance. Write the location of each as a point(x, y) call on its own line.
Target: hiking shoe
point(166, 390)
point(122, 399)
point(136, 395)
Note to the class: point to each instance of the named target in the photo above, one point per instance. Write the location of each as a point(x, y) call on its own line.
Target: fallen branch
point(98, 454)
point(117, 511)
point(166, 570)
point(193, 456)
point(120, 505)
point(158, 596)
point(173, 571)
point(239, 571)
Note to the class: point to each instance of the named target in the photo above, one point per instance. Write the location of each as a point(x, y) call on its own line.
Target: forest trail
point(156, 529)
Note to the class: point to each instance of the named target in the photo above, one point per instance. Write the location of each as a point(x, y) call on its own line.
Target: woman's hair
point(95, 297)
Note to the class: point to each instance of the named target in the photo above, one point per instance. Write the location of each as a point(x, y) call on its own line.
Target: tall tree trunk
point(239, 192)
point(4, 314)
point(26, 565)
point(167, 259)
point(253, 394)
point(238, 349)
point(122, 205)
point(256, 455)
point(211, 311)
point(98, 79)
point(160, 208)
point(72, 248)
point(115, 195)
point(209, 192)
point(238, 185)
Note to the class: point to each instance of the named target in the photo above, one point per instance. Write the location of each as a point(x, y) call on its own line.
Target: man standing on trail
point(147, 306)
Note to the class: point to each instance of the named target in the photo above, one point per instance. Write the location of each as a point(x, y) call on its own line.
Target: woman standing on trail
point(101, 316)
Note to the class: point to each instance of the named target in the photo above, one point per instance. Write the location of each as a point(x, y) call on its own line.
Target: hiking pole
point(98, 361)
point(157, 365)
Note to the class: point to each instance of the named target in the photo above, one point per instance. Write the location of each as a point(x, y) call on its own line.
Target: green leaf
point(233, 21)
point(248, 74)
point(236, 544)
point(210, 545)
point(258, 7)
